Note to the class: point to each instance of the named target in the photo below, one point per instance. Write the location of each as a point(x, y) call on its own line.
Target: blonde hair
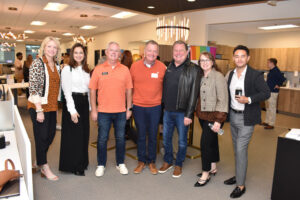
point(57, 57)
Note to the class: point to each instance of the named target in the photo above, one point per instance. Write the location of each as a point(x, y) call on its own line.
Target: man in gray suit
point(247, 89)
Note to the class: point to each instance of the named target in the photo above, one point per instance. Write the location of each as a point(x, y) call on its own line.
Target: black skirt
point(75, 137)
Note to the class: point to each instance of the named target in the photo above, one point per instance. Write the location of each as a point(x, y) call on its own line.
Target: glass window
point(32, 50)
point(7, 55)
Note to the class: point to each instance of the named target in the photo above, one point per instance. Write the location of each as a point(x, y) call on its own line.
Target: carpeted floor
point(145, 186)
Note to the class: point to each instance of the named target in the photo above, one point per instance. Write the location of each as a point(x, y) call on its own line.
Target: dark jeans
point(209, 146)
point(172, 119)
point(147, 121)
point(104, 124)
point(43, 134)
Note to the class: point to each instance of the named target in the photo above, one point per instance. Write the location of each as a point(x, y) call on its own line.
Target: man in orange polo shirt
point(147, 77)
point(114, 85)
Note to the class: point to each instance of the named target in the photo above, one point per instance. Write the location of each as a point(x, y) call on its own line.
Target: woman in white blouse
point(75, 115)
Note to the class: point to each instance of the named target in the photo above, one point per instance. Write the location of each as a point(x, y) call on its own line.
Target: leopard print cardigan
point(39, 82)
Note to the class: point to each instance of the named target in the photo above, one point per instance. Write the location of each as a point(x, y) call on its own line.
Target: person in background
point(19, 69)
point(114, 85)
point(147, 78)
point(44, 84)
point(180, 92)
point(26, 67)
point(212, 108)
point(274, 80)
point(247, 88)
point(75, 130)
point(126, 58)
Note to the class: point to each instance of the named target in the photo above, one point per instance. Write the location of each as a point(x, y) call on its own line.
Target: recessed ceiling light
point(29, 31)
point(57, 38)
point(88, 27)
point(38, 23)
point(19, 40)
point(12, 8)
point(278, 27)
point(68, 34)
point(191, 0)
point(123, 15)
point(57, 7)
point(8, 28)
point(53, 31)
point(150, 7)
point(83, 15)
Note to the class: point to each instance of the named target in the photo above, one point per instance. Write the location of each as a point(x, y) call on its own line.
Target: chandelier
point(82, 40)
point(172, 29)
point(12, 36)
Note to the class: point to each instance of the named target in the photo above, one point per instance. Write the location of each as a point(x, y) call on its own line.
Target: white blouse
point(76, 80)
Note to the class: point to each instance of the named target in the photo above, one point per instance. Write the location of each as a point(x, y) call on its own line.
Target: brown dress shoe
point(177, 172)
point(139, 168)
point(165, 168)
point(153, 169)
point(264, 124)
point(269, 127)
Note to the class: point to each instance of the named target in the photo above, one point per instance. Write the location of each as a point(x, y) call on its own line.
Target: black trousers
point(74, 154)
point(44, 134)
point(209, 146)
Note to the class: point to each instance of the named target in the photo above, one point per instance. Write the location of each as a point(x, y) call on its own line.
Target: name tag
point(104, 73)
point(154, 75)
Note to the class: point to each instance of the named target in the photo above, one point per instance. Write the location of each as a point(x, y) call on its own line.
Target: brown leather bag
point(8, 174)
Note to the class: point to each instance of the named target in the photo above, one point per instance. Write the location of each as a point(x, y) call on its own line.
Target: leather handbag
point(8, 174)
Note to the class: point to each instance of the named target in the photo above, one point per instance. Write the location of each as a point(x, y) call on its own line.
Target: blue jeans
point(172, 119)
point(147, 121)
point(104, 124)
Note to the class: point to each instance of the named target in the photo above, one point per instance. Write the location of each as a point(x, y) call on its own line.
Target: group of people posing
point(114, 93)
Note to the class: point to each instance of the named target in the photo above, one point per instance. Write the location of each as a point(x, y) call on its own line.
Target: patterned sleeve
point(36, 81)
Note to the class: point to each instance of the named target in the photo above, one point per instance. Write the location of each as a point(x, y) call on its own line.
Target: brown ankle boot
point(139, 168)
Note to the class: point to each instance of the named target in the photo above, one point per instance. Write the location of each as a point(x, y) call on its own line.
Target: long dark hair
point(73, 63)
point(127, 58)
point(210, 57)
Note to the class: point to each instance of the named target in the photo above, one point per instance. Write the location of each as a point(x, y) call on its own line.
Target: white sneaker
point(100, 170)
point(123, 169)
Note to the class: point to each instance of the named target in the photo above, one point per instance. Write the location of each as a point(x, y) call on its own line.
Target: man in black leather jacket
point(180, 92)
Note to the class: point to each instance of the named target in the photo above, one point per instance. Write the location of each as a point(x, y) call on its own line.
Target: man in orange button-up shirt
point(114, 85)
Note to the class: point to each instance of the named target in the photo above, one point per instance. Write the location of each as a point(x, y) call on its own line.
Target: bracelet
point(40, 110)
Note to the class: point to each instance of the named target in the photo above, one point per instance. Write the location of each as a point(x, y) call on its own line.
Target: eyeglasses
point(205, 61)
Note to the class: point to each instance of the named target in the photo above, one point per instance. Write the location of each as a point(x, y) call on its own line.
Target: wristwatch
point(129, 109)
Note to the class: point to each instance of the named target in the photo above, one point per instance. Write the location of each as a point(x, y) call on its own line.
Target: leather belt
point(237, 111)
point(80, 94)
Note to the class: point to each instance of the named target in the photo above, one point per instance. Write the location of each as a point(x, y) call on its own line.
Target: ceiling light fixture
point(191, 0)
point(29, 31)
point(272, 3)
point(68, 34)
point(12, 36)
point(278, 27)
point(124, 15)
point(173, 30)
point(53, 31)
point(82, 40)
point(38, 23)
point(150, 7)
point(56, 7)
point(87, 27)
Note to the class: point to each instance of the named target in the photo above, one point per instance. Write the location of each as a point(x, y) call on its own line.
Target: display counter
point(289, 100)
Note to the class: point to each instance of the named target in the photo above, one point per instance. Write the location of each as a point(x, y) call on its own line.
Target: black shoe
point(230, 181)
point(214, 172)
point(79, 173)
point(237, 192)
point(204, 182)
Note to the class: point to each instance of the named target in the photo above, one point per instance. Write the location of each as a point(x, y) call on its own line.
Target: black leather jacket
point(188, 88)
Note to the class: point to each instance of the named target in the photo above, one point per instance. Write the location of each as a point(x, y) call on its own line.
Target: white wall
point(289, 39)
point(226, 37)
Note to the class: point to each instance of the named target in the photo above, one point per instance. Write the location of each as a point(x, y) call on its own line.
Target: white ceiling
point(68, 20)
point(252, 27)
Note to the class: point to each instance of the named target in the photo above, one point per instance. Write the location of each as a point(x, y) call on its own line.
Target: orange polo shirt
point(111, 85)
point(147, 83)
